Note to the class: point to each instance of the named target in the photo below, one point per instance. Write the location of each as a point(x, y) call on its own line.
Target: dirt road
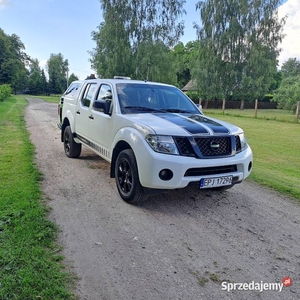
point(184, 244)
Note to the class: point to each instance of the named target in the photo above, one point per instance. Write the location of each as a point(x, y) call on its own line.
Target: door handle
point(78, 112)
point(91, 117)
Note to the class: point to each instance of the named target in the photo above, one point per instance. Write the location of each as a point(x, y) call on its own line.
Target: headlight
point(162, 144)
point(243, 140)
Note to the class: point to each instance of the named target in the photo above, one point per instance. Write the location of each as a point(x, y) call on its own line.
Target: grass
point(52, 99)
point(30, 261)
point(275, 147)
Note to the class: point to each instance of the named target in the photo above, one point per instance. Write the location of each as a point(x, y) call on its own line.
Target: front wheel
point(127, 179)
point(72, 149)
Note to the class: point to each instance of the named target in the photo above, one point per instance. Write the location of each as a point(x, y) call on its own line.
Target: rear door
point(84, 118)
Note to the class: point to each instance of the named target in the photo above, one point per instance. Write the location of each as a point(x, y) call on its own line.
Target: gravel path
point(180, 245)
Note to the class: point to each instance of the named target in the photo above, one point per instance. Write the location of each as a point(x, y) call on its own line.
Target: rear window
point(73, 90)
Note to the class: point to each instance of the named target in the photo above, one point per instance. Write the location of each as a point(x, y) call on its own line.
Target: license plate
point(206, 183)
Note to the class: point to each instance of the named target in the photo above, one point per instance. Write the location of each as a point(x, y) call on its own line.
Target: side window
point(105, 94)
point(88, 94)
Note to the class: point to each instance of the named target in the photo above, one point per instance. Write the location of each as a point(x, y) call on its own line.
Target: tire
point(72, 149)
point(127, 178)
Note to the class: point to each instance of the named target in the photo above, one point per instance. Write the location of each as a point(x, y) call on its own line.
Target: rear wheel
point(72, 149)
point(127, 179)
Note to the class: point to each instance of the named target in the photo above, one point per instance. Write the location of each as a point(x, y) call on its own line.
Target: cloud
point(4, 3)
point(291, 42)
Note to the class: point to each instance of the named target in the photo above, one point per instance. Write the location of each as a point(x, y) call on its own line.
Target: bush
point(193, 95)
point(5, 91)
point(288, 94)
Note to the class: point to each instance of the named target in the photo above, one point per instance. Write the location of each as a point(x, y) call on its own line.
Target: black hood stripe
point(195, 124)
point(213, 125)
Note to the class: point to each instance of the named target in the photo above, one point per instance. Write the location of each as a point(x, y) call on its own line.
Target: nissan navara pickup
point(153, 135)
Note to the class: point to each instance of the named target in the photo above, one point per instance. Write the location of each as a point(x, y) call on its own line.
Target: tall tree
point(44, 83)
point(12, 61)
point(72, 78)
point(58, 68)
point(34, 79)
point(129, 28)
point(183, 58)
point(242, 37)
point(288, 94)
point(291, 68)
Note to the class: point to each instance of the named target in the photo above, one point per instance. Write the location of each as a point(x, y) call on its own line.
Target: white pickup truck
point(153, 135)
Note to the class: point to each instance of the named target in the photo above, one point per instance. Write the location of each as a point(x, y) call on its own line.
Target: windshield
point(143, 98)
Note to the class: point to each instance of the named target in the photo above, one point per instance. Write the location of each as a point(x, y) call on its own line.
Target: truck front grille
point(206, 147)
point(222, 146)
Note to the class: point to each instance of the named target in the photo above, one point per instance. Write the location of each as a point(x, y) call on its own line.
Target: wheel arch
point(63, 127)
point(120, 146)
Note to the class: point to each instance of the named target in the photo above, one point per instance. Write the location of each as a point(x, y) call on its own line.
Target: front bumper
point(190, 170)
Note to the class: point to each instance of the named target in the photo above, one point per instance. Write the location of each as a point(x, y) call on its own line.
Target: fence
point(266, 109)
point(218, 104)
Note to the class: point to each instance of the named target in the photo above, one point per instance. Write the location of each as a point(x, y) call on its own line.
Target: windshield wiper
point(163, 110)
point(176, 110)
point(144, 108)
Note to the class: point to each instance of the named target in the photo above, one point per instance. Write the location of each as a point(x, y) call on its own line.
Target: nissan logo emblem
point(214, 145)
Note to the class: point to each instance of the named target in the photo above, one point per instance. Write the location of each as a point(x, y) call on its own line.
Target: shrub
point(288, 94)
point(5, 91)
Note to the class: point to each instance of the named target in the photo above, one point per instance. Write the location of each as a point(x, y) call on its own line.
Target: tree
point(112, 55)
point(183, 57)
point(57, 71)
point(288, 93)
point(12, 61)
point(207, 72)
point(132, 36)
point(240, 44)
point(290, 68)
point(72, 78)
point(43, 83)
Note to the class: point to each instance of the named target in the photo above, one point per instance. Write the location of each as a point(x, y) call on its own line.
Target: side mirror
point(102, 106)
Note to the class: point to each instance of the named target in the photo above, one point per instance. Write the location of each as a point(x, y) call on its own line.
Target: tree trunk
point(206, 104)
point(242, 104)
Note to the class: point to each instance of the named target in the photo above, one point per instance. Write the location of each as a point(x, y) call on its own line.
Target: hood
point(181, 124)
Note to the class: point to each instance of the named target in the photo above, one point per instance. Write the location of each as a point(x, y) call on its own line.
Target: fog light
point(165, 174)
point(250, 166)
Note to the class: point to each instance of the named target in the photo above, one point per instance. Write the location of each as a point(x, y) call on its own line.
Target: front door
point(101, 133)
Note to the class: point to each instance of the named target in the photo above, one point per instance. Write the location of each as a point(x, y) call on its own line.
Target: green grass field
point(52, 99)
point(276, 151)
point(30, 261)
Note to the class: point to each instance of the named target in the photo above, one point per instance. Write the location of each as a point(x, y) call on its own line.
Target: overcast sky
point(64, 26)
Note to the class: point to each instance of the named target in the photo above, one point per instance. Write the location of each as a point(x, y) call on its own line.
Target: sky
point(64, 26)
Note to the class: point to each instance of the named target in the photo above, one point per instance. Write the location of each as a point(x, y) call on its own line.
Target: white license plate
point(206, 183)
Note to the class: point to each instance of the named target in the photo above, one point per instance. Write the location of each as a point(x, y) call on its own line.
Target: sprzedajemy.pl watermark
point(256, 286)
